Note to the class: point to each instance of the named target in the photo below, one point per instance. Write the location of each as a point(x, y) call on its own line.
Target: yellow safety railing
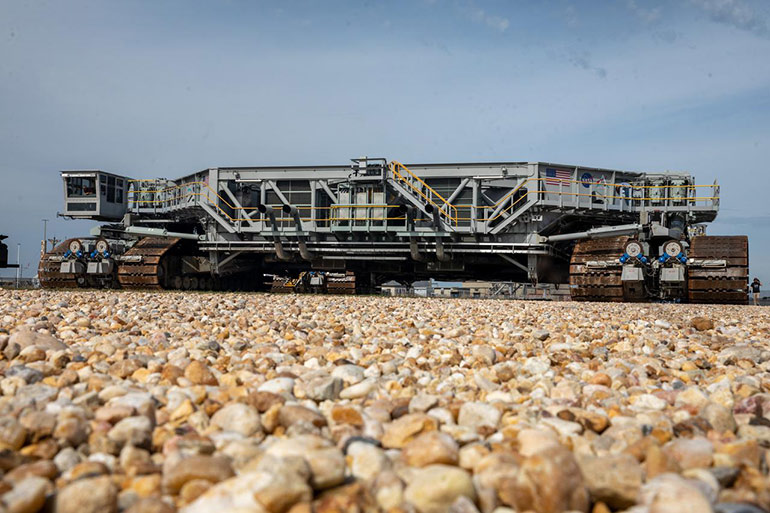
point(451, 213)
point(593, 194)
point(174, 200)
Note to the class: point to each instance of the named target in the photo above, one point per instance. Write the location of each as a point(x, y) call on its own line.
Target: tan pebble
point(601, 378)
point(210, 468)
point(550, 480)
point(341, 414)
point(43, 468)
point(193, 489)
point(182, 411)
point(404, 429)
point(702, 323)
point(263, 400)
point(656, 462)
point(145, 486)
point(151, 505)
point(171, 373)
point(199, 374)
point(430, 448)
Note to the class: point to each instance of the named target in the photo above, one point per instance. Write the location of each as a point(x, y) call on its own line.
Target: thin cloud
point(497, 23)
point(582, 60)
point(478, 15)
point(647, 15)
point(735, 13)
point(571, 16)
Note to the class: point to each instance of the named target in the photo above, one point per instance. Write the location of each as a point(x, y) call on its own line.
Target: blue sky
point(149, 89)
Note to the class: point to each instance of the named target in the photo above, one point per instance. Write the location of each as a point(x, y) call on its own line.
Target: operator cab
point(94, 195)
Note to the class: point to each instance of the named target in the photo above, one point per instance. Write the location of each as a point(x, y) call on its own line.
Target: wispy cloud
point(571, 16)
point(476, 14)
point(498, 23)
point(736, 13)
point(646, 14)
point(582, 60)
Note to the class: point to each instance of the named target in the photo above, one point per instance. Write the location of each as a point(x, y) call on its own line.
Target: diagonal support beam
point(325, 187)
point(458, 191)
point(229, 258)
point(514, 216)
point(239, 207)
point(498, 210)
point(210, 211)
point(278, 192)
point(513, 261)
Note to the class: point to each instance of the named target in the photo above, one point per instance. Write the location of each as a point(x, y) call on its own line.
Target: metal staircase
point(422, 195)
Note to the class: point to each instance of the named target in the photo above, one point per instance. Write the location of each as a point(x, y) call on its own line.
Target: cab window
point(81, 187)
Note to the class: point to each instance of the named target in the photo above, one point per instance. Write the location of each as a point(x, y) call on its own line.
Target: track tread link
point(596, 284)
point(148, 273)
point(725, 285)
point(49, 272)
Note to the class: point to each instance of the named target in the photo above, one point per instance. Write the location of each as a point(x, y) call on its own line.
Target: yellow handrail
point(452, 214)
point(455, 218)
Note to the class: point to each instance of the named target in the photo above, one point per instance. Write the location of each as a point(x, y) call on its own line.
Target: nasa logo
point(587, 179)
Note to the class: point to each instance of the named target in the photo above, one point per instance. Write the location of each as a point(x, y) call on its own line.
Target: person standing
point(755, 285)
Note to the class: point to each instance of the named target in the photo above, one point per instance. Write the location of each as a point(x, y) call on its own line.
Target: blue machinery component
point(665, 257)
point(626, 257)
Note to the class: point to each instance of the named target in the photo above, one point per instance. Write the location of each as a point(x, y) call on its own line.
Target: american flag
point(555, 176)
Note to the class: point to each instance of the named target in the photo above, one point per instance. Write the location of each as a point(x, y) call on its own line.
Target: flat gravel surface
point(157, 402)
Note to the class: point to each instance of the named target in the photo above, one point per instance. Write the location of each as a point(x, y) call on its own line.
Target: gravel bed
point(163, 402)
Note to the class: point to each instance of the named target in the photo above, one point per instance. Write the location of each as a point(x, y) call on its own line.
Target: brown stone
point(550, 481)
point(87, 469)
point(349, 498)
point(290, 414)
point(114, 414)
point(146, 486)
point(613, 479)
point(342, 414)
point(429, 448)
point(740, 452)
point(12, 434)
point(193, 489)
point(39, 424)
point(42, 468)
point(601, 378)
point(595, 422)
point(125, 368)
point(263, 400)
point(95, 495)
point(211, 468)
point(284, 490)
point(702, 323)
point(45, 449)
point(199, 374)
point(151, 505)
point(657, 462)
point(72, 431)
point(171, 373)
point(404, 429)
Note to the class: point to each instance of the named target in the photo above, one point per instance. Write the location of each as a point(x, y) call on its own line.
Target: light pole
point(45, 236)
point(18, 263)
